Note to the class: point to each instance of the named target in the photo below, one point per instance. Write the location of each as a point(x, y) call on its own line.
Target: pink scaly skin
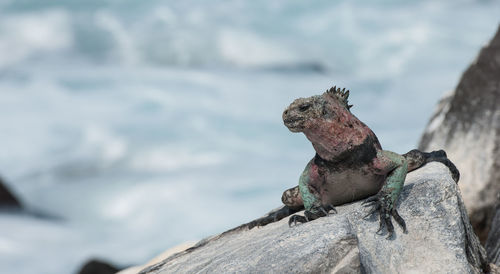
point(349, 164)
point(330, 137)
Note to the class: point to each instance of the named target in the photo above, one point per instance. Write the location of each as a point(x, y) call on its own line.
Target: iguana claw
point(325, 209)
point(294, 219)
point(385, 210)
point(313, 214)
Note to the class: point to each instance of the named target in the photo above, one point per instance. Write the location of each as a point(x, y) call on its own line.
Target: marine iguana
point(349, 164)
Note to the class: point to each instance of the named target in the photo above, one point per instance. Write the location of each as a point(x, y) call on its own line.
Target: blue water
point(139, 125)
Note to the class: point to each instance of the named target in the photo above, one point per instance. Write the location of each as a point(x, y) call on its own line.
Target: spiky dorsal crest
point(341, 95)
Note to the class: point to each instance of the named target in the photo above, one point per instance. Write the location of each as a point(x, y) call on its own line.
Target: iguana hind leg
point(417, 159)
point(291, 198)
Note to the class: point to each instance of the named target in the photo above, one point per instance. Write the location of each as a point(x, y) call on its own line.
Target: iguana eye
point(304, 107)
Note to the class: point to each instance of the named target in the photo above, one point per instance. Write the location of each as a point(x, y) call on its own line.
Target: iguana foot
point(274, 216)
point(381, 204)
point(417, 158)
point(319, 211)
point(294, 219)
point(440, 156)
point(313, 214)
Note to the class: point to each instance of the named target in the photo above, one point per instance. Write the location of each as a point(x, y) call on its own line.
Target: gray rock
point(467, 126)
point(493, 242)
point(494, 269)
point(440, 239)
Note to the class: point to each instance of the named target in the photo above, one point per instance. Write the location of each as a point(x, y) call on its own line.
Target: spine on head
point(342, 95)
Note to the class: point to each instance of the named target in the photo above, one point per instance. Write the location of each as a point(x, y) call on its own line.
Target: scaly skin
point(349, 164)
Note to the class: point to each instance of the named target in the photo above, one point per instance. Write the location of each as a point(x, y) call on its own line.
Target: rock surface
point(493, 242)
point(494, 269)
point(157, 259)
point(7, 199)
point(440, 239)
point(467, 126)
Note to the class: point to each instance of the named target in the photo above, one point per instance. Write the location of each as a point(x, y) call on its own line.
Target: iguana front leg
point(312, 204)
point(385, 200)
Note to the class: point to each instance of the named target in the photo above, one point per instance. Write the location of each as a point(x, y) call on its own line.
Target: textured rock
point(7, 199)
point(440, 239)
point(467, 126)
point(494, 269)
point(157, 259)
point(493, 242)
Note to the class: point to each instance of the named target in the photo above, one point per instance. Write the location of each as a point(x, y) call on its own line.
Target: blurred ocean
point(139, 125)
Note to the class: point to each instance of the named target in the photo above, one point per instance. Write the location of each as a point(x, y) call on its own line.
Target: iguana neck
point(331, 138)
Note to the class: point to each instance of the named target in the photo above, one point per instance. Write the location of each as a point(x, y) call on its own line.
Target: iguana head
point(302, 113)
point(327, 122)
point(306, 113)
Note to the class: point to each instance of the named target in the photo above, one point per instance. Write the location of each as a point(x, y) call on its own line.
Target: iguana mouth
point(293, 124)
point(292, 120)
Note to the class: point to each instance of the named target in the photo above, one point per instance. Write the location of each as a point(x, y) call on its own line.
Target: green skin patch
point(396, 178)
point(308, 198)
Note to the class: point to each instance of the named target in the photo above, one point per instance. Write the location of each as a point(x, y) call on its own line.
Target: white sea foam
point(26, 35)
point(247, 49)
point(168, 159)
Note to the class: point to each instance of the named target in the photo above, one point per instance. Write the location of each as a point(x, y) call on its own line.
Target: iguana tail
point(274, 216)
point(417, 159)
point(293, 203)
